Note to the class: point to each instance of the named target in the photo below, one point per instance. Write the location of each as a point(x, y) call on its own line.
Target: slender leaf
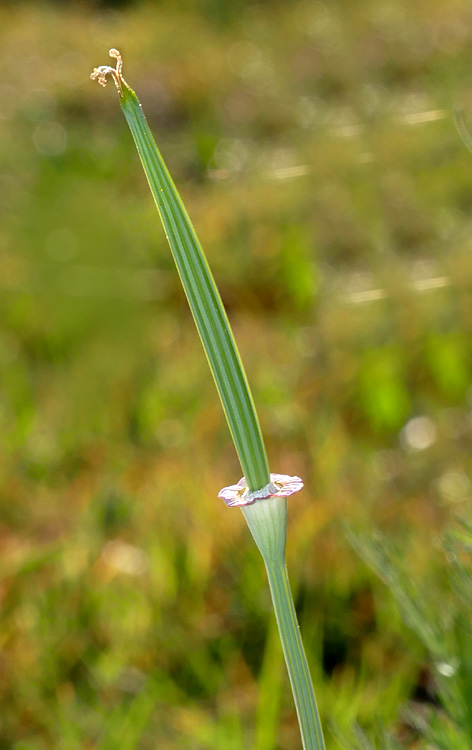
point(203, 297)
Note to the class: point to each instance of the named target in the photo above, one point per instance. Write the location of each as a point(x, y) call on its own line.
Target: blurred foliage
point(439, 612)
point(315, 147)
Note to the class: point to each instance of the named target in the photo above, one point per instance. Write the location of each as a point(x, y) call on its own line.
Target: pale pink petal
point(235, 494)
point(286, 485)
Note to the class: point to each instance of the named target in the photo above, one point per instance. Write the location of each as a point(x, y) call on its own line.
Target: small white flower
point(280, 485)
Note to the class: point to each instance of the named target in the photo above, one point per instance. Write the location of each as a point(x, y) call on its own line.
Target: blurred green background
point(314, 145)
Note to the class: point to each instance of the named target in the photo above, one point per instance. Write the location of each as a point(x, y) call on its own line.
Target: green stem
point(295, 658)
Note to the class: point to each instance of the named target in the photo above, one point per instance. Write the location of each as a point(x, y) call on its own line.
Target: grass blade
point(266, 511)
point(202, 295)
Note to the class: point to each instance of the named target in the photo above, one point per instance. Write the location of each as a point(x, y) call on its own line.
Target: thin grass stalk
point(267, 522)
point(295, 657)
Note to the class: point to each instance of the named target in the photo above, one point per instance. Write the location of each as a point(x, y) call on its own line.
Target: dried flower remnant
point(100, 74)
point(280, 485)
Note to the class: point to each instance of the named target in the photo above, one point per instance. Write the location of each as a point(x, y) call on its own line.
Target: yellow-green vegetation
point(315, 149)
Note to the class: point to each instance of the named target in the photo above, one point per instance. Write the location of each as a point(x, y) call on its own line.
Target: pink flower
point(280, 485)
